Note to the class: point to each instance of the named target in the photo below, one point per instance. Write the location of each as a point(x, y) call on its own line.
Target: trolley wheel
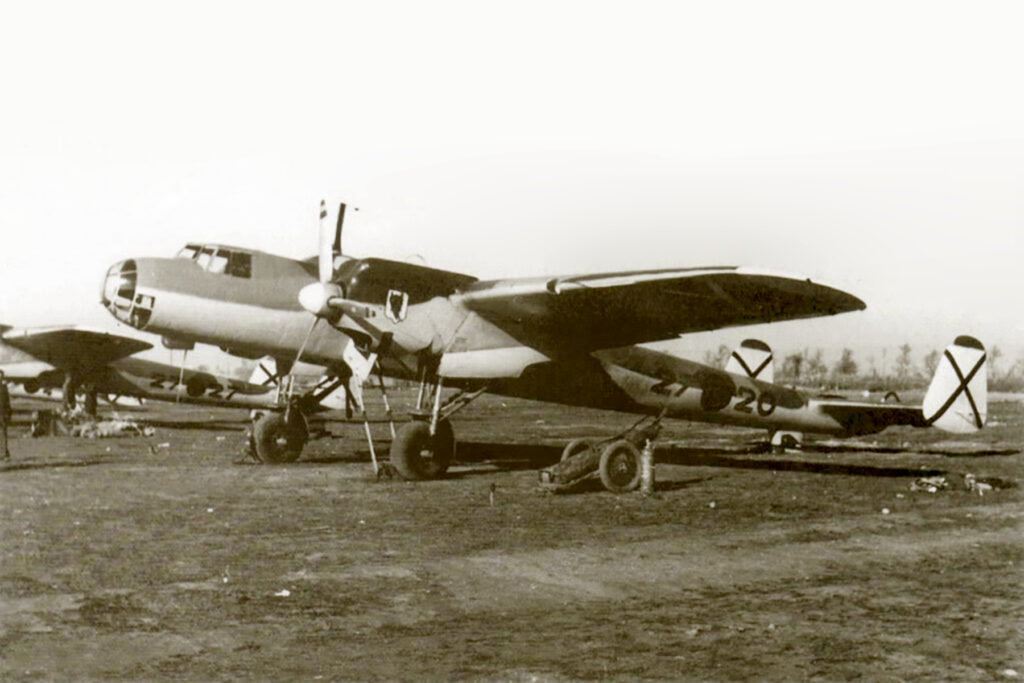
point(620, 467)
point(575, 447)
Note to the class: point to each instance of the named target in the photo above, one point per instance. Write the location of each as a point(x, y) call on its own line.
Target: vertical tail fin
point(753, 359)
point(265, 372)
point(957, 398)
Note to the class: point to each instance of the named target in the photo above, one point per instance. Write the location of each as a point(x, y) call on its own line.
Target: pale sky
point(877, 147)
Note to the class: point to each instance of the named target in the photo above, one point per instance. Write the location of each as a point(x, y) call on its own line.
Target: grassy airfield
point(172, 557)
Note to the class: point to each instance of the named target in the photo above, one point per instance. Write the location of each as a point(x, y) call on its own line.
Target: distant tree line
point(807, 368)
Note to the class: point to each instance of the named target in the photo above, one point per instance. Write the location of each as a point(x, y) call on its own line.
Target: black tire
point(575, 447)
point(620, 467)
point(277, 442)
point(417, 456)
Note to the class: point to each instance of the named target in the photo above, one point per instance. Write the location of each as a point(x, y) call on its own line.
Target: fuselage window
point(239, 264)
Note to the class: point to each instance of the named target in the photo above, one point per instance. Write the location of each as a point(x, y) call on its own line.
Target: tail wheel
point(620, 467)
point(575, 447)
point(417, 455)
point(277, 441)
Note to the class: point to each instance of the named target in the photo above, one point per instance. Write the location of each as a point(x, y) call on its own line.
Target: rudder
point(957, 398)
point(753, 359)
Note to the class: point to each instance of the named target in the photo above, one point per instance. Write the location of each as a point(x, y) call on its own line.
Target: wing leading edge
point(607, 310)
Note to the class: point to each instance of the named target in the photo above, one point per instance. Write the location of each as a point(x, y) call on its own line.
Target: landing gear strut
point(69, 387)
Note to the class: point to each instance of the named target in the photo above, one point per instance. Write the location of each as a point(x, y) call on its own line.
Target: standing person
point(5, 415)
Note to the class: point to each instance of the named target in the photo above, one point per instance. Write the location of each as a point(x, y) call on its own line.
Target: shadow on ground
point(531, 456)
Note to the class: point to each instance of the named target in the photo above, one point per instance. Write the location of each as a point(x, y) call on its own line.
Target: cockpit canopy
point(219, 259)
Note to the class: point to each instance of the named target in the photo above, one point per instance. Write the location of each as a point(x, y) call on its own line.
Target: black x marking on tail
point(963, 388)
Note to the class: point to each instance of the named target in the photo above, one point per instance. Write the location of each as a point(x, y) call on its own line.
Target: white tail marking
point(957, 398)
point(753, 358)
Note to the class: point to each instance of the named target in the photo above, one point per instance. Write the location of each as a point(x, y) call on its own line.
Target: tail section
point(957, 398)
point(265, 372)
point(753, 359)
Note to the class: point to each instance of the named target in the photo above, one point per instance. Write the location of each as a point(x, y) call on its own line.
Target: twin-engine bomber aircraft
point(567, 339)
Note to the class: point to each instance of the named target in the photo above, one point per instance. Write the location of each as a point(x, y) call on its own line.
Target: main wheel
point(575, 447)
point(416, 455)
point(276, 441)
point(620, 467)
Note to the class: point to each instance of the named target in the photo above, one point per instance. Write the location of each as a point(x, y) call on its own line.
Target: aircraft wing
point(73, 348)
point(608, 310)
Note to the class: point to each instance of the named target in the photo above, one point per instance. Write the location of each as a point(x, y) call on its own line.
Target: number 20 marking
point(765, 402)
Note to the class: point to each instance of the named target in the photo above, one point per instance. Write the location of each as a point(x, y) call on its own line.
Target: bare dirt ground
point(169, 558)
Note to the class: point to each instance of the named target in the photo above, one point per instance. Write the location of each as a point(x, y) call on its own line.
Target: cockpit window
point(189, 251)
point(219, 262)
point(205, 255)
point(239, 264)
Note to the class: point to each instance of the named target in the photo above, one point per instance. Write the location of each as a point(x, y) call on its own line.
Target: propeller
point(326, 299)
point(317, 297)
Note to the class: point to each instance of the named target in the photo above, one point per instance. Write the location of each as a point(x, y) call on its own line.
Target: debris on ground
point(982, 485)
point(930, 484)
point(77, 422)
point(110, 428)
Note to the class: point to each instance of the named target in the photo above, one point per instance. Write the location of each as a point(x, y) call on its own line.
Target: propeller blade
point(337, 229)
point(326, 255)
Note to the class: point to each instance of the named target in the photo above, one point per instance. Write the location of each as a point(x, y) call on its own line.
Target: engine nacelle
point(177, 344)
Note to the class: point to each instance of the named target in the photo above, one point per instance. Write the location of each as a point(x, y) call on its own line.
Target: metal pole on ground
point(647, 468)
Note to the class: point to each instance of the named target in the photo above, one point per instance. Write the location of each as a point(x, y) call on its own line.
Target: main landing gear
point(420, 449)
point(423, 448)
point(418, 454)
point(279, 437)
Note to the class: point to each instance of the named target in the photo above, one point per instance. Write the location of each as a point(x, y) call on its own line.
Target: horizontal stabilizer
point(753, 359)
point(957, 399)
